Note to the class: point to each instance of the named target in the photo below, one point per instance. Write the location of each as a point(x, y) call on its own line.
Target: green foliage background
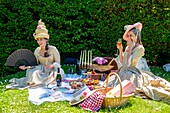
point(75, 25)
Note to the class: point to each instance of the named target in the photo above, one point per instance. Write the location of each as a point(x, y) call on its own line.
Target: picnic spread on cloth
point(98, 86)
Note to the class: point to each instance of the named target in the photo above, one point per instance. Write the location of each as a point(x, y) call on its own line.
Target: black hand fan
point(21, 57)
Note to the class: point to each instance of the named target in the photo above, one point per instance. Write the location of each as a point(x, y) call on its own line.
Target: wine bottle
point(58, 78)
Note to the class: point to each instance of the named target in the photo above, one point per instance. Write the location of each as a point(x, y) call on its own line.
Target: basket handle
point(111, 61)
point(107, 80)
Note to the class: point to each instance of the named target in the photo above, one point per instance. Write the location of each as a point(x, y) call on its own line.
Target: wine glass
point(119, 42)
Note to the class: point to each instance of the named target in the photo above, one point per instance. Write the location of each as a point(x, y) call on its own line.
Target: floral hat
point(137, 25)
point(81, 95)
point(41, 31)
point(84, 93)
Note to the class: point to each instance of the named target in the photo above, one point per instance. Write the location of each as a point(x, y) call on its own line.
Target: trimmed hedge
point(75, 25)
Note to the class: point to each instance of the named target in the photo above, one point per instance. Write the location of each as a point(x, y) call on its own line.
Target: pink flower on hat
point(39, 26)
point(84, 94)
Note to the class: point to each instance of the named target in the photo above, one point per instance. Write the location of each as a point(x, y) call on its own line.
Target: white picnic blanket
point(39, 95)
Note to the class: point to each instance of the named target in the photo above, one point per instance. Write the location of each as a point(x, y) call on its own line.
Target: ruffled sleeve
point(137, 54)
point(36, 53)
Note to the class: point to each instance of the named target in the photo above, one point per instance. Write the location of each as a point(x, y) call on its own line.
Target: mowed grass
point(16, 101)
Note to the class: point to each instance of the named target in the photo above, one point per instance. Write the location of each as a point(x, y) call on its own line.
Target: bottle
point(70, 71)
point(58, 78)
point(78, 70)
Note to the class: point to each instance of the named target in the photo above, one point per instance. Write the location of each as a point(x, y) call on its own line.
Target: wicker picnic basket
point(102, 68)
point(115, 101)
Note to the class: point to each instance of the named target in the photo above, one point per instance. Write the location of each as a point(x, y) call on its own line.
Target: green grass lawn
point(16, 101)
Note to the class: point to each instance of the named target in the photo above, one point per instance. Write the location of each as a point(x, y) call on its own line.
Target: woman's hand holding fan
point(26, 67)
point(23, 58)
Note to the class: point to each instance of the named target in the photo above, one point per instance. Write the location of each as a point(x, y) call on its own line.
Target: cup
point(119, 41)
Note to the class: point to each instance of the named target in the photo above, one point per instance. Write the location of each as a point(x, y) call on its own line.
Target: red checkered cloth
point(93, 102)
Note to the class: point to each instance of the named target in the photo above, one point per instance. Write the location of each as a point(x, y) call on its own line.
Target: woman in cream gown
point(47, 70)
point(48, 59)
point(146, 82)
